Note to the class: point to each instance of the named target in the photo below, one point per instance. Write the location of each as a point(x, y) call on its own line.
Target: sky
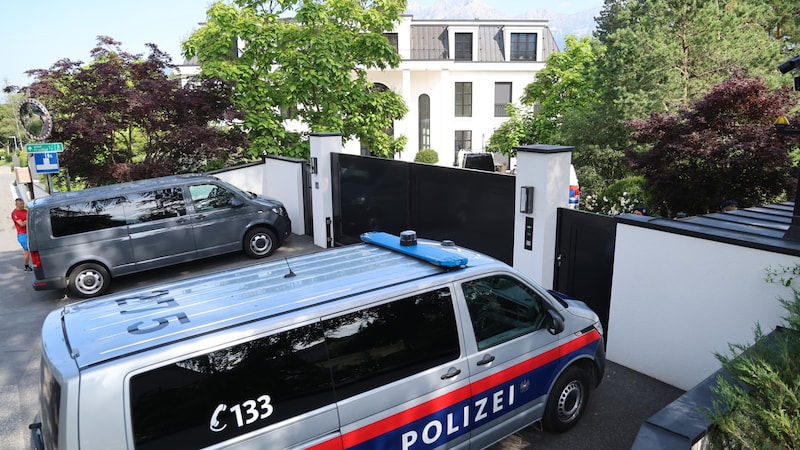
point(35, 34)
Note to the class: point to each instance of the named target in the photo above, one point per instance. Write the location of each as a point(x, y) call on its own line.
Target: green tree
point(566, 84)
point(9, 125)
point(310, 69)
point(661, 55)
point(517, 130)
point(562, 106)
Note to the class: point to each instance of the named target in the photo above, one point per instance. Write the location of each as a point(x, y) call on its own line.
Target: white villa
point(457, 76)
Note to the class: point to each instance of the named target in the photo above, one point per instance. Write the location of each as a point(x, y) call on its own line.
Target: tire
point(89, 280)
point(567, 400)
point(260, 243)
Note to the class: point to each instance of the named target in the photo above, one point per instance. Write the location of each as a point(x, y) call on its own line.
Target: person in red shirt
point(20, 217)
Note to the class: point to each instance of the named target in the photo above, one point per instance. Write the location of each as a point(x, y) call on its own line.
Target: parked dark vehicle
point(80, 240)
point(480, 161)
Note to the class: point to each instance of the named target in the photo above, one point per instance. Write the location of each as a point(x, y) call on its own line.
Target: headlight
point(279, 210)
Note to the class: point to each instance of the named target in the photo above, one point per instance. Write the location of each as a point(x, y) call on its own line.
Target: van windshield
point(231, 187)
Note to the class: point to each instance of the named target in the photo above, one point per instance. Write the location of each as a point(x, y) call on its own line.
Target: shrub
point(427, 156)
point(758, 405)
point(620, 197)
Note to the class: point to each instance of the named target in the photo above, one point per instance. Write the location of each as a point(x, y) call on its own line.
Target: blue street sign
point(45, 162)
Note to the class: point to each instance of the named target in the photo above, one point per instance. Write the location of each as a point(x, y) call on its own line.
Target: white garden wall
point(677, 299)
point(278, 178)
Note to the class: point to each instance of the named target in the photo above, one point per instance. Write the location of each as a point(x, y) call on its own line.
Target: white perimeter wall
point(281, 179)
point(676, 300)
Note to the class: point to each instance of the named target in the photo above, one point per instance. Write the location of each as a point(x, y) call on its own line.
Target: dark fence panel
point(369, 194)
point(473, 208)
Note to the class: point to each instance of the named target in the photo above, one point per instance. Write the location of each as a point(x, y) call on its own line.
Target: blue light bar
point(437, 256)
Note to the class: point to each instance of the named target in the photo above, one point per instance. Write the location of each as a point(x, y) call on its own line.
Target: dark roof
point(760, 227)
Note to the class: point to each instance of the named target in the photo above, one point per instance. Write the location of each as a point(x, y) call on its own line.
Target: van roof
point(117, 189)
point(117, 325)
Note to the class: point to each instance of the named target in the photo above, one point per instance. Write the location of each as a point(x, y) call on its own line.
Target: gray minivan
point(395, 343)
point(81, 239)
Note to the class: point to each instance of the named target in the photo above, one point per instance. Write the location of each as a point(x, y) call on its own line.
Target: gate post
point(543, 172)
point(322, 145)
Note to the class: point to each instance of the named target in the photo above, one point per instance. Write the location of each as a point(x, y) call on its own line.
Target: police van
point(393, 343)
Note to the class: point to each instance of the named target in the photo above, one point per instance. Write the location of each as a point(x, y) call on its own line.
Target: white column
point(545, 168)
point(322, 145)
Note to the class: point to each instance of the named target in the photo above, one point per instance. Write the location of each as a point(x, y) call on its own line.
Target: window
point(502, 97)
point(463, 99)
point(211, 398)
point(155, 205)
point(208, 197)
point(463, 140)
point(424, 125)
point(502, 308)
point(393, 40)
point(386, 343)
point(82, 217)
point(463, 46)
point(523, 46)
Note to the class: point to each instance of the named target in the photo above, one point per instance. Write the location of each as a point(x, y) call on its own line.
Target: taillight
point(37, 262)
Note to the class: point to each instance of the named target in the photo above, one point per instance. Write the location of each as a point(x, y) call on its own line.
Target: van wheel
point(567, 400)
point(89, 280)
point(259, 242)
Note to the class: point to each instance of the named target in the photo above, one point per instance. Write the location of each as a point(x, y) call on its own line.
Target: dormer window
point(523, 46)
point(463, 46)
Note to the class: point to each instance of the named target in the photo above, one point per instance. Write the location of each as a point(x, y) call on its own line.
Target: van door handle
point(487, 358)
point(451, 372)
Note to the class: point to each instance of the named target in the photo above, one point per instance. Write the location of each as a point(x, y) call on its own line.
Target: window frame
point(463, 99)
point(493, 323)
point(501, 104)
point(462, 46)
point(463, 140)
point(523, 49)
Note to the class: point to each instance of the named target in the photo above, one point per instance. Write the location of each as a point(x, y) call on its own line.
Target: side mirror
point(236, 203)
point(554, 322)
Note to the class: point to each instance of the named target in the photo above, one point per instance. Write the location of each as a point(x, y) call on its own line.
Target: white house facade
point(457, 76)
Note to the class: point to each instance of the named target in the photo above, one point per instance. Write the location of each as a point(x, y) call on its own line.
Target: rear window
point(148, 206)
point(209, 399)
point(82, 217)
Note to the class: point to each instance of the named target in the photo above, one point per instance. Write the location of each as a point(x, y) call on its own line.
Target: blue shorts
point(23, 241)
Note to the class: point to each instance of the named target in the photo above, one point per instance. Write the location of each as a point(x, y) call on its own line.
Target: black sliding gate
point(470, 207)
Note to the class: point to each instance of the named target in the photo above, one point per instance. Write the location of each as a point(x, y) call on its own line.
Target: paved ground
point(616, 411)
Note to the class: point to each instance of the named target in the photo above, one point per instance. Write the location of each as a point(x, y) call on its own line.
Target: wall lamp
point(526, 199)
